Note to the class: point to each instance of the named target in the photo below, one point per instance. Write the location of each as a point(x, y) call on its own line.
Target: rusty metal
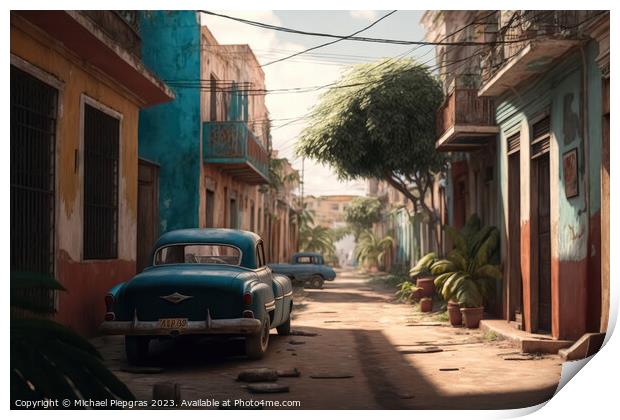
point(101, 144)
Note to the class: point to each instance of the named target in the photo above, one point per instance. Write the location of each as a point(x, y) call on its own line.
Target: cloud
point(298, 72)
point(369, 15)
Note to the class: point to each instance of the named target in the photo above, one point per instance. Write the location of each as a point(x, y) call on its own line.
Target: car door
point(266, 276)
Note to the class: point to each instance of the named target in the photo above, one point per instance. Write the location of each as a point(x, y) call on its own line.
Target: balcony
point(465, 121)
point(529, 46)
point(233, 147)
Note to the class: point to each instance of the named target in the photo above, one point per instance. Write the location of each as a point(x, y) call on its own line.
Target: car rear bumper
point(241, 326)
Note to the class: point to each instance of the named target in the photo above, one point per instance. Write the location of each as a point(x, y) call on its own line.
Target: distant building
point(78, 83)
point(328, 209)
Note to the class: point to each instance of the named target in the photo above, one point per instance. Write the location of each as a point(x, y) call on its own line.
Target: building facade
point(77, 86)
point(526, 123)
point(209, 150)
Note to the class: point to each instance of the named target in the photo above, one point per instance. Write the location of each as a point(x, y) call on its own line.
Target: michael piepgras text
point(120, 404)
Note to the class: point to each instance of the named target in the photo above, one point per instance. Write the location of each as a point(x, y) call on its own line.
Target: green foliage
point(317, 239)
point(384, 128)
point(49, 360)
point(277, 177)
point(423, 265)
point(468, 274)
point(362, 213)
point(371, 250)
point(407, 291)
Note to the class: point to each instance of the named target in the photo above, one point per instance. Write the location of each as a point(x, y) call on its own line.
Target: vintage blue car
point(307, 269)
point(201, 282)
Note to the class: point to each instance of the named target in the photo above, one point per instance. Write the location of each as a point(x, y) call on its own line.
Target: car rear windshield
point(198, 254)
point(307, 260)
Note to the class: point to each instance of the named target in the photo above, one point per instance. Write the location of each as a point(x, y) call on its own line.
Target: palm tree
point(371, 250)
point(317, 239)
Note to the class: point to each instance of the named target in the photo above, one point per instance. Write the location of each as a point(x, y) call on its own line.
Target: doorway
point(543, 241)
point(515, 283)
point(148, 212)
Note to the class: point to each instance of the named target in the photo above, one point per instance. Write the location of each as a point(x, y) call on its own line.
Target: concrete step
point(586, 346)
point(526, 342)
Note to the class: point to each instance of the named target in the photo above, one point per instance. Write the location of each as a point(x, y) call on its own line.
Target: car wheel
point(137, 349)
point(285, 329)
point(256, 344)
point(317, 282)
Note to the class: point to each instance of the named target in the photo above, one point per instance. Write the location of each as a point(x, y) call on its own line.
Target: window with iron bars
point(101, 145)
point(33, 140)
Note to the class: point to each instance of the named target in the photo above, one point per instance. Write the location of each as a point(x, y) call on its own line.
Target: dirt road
point(364, 335)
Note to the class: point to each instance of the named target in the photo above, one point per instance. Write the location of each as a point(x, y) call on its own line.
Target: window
point(198, 254)
point(209, 208)
point(260, 255)
point(101, 144)
point(33, 138)
point(335, 206)
point(306, 260)
point(213, 99)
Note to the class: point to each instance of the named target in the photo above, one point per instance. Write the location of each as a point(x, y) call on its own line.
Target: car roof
point(307, 254)
point(244, 240)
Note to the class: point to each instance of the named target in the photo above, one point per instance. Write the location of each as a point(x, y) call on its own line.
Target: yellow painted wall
point(33, 46)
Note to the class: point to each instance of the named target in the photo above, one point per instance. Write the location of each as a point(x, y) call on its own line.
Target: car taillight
point(109, 301)
point(248, 314)
point(247, 299)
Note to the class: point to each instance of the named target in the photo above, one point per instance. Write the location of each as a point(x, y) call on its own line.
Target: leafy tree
point(379, 122)
point(362, 213)
point(49, 360)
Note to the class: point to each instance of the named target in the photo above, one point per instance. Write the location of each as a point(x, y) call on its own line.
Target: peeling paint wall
point(575, 230)
point(87, 282)
point(170, 134)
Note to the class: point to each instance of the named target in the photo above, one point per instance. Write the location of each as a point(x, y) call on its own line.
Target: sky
point(318, 67)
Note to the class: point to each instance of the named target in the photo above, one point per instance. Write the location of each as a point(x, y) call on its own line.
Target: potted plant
point(424, 277)
point(454, 313)
point(408, 291)
point(468, 275)
point(426, 304)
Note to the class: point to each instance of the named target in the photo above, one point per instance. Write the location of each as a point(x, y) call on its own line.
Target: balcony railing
point(235, 148)
point(532, 39)
point(465, 120)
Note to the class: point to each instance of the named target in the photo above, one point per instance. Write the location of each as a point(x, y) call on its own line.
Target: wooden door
point(515, 284)
point(210, 208)
point(148, 212)
point(544, 243)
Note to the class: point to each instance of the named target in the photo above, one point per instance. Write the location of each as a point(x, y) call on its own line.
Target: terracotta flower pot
point(427, 284)
point(472, 316)
point(426, 304)
point(454, 314)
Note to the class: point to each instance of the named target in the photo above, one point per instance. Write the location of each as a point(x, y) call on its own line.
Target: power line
point(331, 42)
point(354, 38)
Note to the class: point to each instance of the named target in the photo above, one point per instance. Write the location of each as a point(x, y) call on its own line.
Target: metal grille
point(101, 143)
point(33, 128)
point(33, 138)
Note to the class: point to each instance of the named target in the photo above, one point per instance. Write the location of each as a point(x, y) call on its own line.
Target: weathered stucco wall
point(87, 282)
point(170, 134)
point(575, 237)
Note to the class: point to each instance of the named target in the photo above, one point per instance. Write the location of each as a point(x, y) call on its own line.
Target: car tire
point(285, 329)
point(316, 282)
point(137, 349)
point(256, 344)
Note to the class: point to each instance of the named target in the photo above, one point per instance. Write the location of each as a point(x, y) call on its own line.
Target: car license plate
point(173, 323)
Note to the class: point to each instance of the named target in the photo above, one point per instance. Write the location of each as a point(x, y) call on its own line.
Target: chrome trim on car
point(270, 305)
point(176, 297)
point(211, 326)
point(288, 294)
